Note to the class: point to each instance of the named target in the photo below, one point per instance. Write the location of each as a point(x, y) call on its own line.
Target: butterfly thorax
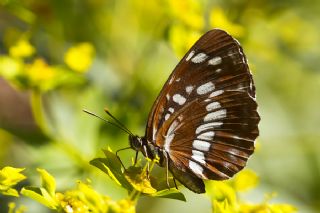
point(149, 150)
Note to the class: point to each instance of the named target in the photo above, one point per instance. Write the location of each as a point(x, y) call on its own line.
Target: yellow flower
point(39, 71)
point(10, 67)
point(221, 191)
point(79, 58)
point(218, 19)
point(22, 49)
point(189, 12)
point(9, 177)
point(12, 208)
point(123, 206)
point(182, 39)
point(245, 180)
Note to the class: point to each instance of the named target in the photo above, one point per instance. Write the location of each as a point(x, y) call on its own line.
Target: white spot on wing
point(208, 126)
point(171, 80)
point(170, 135)
point(179, 99)
point(214, 94)
point(241, 138)
point(178, 79)
point(172, 127)
point(168, 97)
point(189, 89)
point(167, 142)
point(190, 55)
point(154, 131)
point(171, 110)
point(206, 136)
point(167, 116)
point(222, 113)
point(196, 169)
point(218, 70)
point(205, 88)
point(200, 57)
point(213, 106)
point(201, 145)
point(215, 61)
point(198, 156)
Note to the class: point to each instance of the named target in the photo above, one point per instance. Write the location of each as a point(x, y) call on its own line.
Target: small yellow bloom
point(10, 67)
point(245, 180)
point(221, 191)
point(189, 12)
point(22, 49)
point(218, 19)
point(123, 206)
point(79, 58)
point(13, 208)
point(182, 39)
point(39, 71)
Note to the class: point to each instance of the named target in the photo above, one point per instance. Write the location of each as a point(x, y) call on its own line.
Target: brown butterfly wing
point(205, 117)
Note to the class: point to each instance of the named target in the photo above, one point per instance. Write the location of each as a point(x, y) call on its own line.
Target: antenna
point(116, 120)
point(118, 124)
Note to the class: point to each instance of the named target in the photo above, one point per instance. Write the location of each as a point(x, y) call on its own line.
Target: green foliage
point(134, 179)
point(81, 199)
point(223, 194)
point(57, 57)
point(45, 194)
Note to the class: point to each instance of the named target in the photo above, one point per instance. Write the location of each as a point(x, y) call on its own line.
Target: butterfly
point(204, 122)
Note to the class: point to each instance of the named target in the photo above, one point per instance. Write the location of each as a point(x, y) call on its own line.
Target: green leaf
point(48, 182)
point(36, 194)
point(171, 194)
point(112, 167)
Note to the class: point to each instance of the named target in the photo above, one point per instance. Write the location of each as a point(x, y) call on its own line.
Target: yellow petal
point(79, 58)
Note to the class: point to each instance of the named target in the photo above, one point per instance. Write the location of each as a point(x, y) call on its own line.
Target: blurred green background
point(60, 56)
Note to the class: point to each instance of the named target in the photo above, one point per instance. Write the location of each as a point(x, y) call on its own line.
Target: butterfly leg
point(167, 168)
point(136, 158)
point(148, 163)
point(119, 157)
point(175, 184)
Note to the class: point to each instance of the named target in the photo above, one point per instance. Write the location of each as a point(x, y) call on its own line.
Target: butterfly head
point(136, 142)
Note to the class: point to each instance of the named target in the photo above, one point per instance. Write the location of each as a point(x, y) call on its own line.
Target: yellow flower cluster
point(188, 28)
point(225, 196)
point(25, 70)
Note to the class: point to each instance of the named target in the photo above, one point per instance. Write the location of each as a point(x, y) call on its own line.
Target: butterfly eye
point(135, 142)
